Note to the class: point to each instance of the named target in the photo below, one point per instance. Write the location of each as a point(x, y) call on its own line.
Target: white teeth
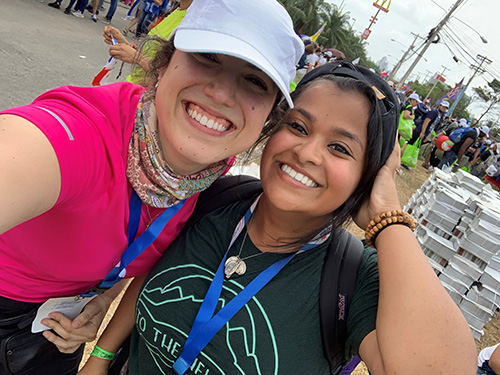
point(298, 176)
point(203, 120)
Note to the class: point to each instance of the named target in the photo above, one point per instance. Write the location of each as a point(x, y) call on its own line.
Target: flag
point(102, 77)
point(453, 93)
point(316, 34)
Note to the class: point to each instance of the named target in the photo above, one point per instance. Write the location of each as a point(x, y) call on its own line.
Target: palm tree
point(336, 26)
point(305, 14)
point(309, 15)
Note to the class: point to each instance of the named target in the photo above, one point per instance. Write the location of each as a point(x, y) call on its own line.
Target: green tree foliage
point(309, 15)
point(490, 95)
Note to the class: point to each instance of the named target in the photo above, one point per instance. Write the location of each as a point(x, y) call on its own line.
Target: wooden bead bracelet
point(385, 219)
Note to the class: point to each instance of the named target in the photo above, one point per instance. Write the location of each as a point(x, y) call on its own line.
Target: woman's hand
point(384, 195)
point(71, 334)
point(125, 52)
point(111, 32)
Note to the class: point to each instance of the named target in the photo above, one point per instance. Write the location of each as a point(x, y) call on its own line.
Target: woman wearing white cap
point(91, 176)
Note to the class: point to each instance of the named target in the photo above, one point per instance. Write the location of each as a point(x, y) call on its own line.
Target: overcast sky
point(406, 16)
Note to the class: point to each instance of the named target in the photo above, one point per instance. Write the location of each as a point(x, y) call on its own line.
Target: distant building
point(383, 64)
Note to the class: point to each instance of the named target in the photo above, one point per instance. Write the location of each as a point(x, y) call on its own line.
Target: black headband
point(387, 101)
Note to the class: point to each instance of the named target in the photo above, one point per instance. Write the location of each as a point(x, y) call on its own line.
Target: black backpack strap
point(338, 280)
point(224, 191)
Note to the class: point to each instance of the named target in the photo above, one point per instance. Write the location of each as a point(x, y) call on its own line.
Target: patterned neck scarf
point(148, 172)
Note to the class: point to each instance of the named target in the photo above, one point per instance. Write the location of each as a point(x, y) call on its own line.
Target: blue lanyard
point(137, 246)
point(206, 325)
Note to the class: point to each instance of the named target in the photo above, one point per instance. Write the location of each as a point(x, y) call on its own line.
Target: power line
point(476, 69)
point(494, 67)
point(461, 50)
point(457, 42)
point(431, 38)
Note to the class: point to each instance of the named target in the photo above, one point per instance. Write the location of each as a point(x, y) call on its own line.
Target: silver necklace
point(236, 264)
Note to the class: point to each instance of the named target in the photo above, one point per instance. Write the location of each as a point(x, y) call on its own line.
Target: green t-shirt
point(162, 30)
point(276, 332)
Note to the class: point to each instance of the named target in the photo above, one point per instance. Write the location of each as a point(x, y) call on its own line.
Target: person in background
point(79, 8)
point(488, 361)
point(458, 150)
point(479, 164)
point(313, 52)
point(429, 122)
point(151, 11)
point(408, 115)
point(445, 127)
point(109, 15)
point(123, 51)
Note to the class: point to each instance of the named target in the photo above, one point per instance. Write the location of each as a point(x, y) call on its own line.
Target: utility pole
point(476, 69)
point(435, 83)
point(429, 72)
point(402, 60)
point(431, 38)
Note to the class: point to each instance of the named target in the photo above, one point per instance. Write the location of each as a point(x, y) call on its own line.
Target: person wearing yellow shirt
point(123, 51)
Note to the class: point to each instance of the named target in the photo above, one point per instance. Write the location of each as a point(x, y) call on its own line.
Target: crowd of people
point(453, 143)
point(100, 184)
point(144, 14)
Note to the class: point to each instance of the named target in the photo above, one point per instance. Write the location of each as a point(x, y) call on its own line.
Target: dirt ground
point(408, 182)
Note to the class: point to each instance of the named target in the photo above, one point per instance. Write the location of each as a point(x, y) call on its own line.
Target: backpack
point(420, 112)
point(457, 134)
point(338, 277)
point(402, 101)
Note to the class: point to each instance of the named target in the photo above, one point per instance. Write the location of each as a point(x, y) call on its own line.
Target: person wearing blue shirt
point(430, 120)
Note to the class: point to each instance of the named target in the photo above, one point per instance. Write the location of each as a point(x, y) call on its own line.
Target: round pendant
point(242, 267)
point(231, 265)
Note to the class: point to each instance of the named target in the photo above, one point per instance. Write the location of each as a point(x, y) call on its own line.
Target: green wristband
point(101, 353)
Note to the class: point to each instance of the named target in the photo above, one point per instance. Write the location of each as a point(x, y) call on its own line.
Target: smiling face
point(314, 163)
point(210, 107)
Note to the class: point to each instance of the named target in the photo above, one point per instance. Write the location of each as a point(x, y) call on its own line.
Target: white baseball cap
point(415, 96)
point(485, 130)
point(462, 123)
point(444, 103)
point(258, 31)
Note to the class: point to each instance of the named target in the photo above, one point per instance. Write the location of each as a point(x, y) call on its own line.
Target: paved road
point(42, 48)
